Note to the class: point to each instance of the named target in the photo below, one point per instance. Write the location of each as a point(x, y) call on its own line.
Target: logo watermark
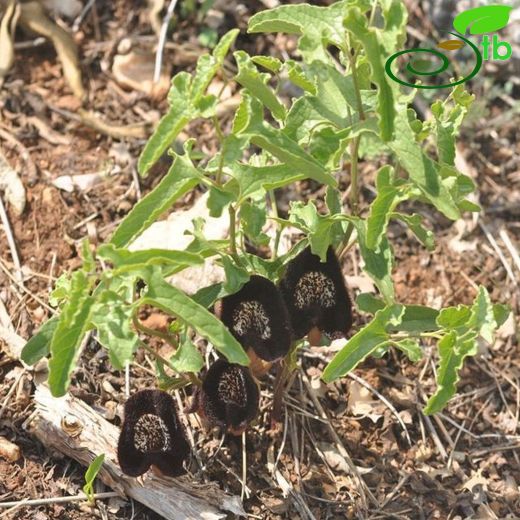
point(479, 21)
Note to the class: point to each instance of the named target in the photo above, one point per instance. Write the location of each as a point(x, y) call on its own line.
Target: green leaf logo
point(480, 20)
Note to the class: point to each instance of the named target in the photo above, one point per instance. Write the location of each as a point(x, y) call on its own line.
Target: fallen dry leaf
point(361, 404)
point(9, 451)
point(135, 70)
point(7, 29)
point(33, 17)
point(12, 186)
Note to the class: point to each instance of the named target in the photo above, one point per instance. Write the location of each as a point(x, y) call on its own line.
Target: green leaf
point(186, 102)
point(414, 222)
point(268, 62)
point(378, 262)
point(256, 83)
point(452, 351)
point(61, 290)
point(395, 16)
point(501, 313)
point(38, 346)
point(367, 302)
point(251, 179)
point(187, 358)
point(319, 228)
point(178, 116)
point(236, 276)
point(124, 259)
point(411, 348)
point(171, 300)
point(318, 26)
point(73, 323)
point(218, 200)
point(280, 146)
point(454, 318)
point(89, 263)
point(363, 343)
point(418, 318)
point(357, 24)
point(387, 199)
point(484, 19)
point(207, 296)
point(253, 217)
point(112, 317)
point(448, 117)
point(464, 325)
point(181, 178)
point(90, 476)
point(422, 170)
point(483, 316)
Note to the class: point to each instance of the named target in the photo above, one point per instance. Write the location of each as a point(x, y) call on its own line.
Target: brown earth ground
point(463, 463)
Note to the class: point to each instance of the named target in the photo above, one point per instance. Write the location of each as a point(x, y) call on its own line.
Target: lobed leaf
point(357, 24)
point(453, 349)
point(256, 83)
point(72, 325)
point(181, 178)
point(112, 317)
point(371, 337)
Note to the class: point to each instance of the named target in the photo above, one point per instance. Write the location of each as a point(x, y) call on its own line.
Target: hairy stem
point(233, 231)
point(274, 209)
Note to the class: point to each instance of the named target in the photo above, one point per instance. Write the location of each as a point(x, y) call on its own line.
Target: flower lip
point(257, 317)
point(152, 434)
point(229, 396)
point(315, 295)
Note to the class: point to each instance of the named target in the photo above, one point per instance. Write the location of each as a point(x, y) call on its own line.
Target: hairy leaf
point(38, 346)
point(73, 323)
point(453, 349)
point(171, 300)
point(256, 83)
point(181, 178)
point(357, 24)
point(112, 317)
point(126, 260)
point(187, 358)
point(364, 343)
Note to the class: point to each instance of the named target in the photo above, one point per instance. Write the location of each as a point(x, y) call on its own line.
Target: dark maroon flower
point(316, 296)
point(152, 434)
point(257, 317)
point(229, 397)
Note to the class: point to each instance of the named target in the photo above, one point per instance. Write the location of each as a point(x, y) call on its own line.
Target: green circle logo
point(444, 65)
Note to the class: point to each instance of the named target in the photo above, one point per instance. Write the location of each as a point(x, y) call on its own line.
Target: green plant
point(346, 110)
point(90, 477)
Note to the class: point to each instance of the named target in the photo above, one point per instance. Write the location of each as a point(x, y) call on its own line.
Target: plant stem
point(356, 87)
point(354, 187)
point(282, 374)
point(233, 231)
point(279, 387)
point(274, 209)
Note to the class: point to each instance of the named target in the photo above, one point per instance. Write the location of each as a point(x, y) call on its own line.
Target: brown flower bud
point(229, 397)
point(257, 317)
point(316, 296)
point(152, 434)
